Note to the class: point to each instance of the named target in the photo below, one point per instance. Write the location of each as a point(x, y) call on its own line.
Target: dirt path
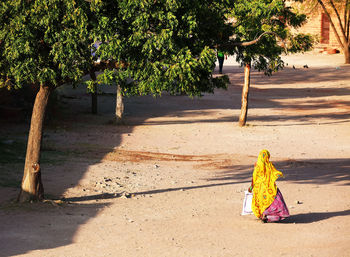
point(170, 181)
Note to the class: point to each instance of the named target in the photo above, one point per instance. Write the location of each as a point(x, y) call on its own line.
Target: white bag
point(247, 203)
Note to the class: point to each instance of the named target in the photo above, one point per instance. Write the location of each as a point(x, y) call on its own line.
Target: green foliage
point(162, 45)
point(300, 43)
point(255, 17)
point(43, 42)
point(154, 46)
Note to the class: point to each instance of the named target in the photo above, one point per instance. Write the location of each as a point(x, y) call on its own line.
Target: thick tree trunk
point(245, 94)
point(32, 187)
point(347, 55)
point(93, 95)
point(119, 109)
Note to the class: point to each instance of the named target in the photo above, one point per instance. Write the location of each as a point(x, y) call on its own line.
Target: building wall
point(314, 27)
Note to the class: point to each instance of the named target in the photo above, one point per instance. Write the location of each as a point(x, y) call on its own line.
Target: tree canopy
point(261, 33)
point(43, 42)
point(160, 45)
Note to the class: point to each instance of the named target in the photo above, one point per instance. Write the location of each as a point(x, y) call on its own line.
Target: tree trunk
point(347, 55)
point(93, 94)
point(94, 102)
point(119, 109)
point(245, 93)
point(32, 187)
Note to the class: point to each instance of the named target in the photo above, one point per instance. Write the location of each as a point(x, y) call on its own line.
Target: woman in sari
point(268, 203)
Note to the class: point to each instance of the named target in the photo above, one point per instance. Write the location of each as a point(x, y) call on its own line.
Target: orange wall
point(313, 26)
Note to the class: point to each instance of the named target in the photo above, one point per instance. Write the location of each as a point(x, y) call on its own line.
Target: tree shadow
point(290, 76)
point(41, 226)
point(308, 171)
point(311, 217)
point(311, 105)
point(50, 227)
point(147, 192)
point(303, 119)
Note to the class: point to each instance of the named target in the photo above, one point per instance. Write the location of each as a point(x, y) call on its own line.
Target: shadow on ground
point(23, 229)
point(41, 225)
point(311, 217)
point(291, 76)
point(308, 171)
point(70, 146)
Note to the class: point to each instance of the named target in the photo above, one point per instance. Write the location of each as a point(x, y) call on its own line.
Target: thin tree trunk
point(245, 94)
point(32, 187)
point(347, 20)
point(93, 94)
point(119, 109)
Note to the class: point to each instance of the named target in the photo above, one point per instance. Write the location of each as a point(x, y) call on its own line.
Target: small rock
point(125, 195)
point(298, 202)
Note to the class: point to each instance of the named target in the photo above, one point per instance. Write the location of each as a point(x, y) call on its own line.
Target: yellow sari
point(263, 183)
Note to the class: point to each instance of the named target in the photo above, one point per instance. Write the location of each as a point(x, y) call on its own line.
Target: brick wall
point(314, 27)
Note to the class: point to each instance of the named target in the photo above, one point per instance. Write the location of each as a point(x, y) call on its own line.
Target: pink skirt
point(277, 210)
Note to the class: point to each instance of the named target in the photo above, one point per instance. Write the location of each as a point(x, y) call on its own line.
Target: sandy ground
point(171, 180)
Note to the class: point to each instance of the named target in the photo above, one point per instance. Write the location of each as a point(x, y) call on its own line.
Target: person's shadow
point(313, 217)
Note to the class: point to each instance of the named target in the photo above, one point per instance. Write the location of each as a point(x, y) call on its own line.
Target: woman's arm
point(250, 189)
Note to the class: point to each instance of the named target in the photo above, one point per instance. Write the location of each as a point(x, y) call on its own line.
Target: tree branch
point(342, 28)
point(249, 43)
point(332, 24)
point(345, 13)
point(347, 19)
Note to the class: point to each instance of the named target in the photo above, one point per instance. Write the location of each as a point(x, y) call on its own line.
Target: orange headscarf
point(264, 187)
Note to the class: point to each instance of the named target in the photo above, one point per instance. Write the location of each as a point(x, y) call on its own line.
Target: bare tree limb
point(249, 43)
point(347, 19)
point(332, 23)
point(345, 13)
point(342, 28)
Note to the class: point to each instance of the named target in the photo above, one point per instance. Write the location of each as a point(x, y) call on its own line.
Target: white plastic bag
point(247, 203)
